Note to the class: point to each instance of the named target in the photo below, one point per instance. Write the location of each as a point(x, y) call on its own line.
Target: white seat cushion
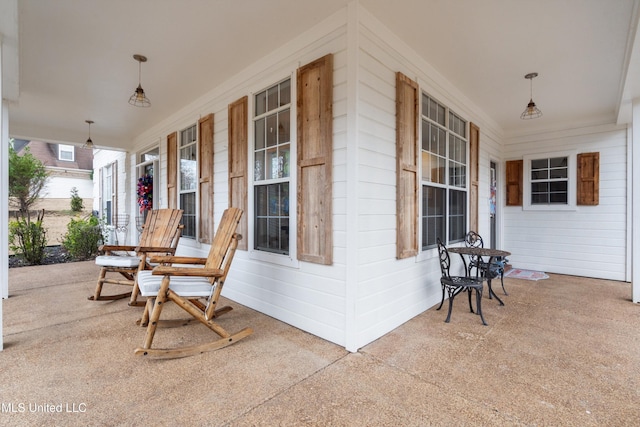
point(186, 286)
point(117, 261)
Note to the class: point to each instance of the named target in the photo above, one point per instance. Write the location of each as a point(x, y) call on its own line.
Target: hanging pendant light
point(139, 99)
point(531, 112)
point(89, 144)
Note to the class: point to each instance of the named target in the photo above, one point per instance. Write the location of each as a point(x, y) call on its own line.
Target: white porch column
point(4, 200)
point(635, 201)
point(353, 326)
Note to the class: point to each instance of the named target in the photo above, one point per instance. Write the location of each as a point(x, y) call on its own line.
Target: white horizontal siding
point(367, 291)
point(589, 241)
point(391, 291)
point(59, 187)
point(309, 296)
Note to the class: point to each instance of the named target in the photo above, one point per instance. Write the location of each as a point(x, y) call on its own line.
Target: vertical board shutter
point(238, 158)
point(315, 151)
point(172, 170)
point(407, 96)
point(514, 182)
point(205, 178)
point(588, 179)
point(474, 165)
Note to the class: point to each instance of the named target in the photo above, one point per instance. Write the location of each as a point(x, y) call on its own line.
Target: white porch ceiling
point(75, 57)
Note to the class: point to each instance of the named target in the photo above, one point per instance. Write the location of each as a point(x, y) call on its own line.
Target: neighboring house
point(349, 156)
point(68, 166)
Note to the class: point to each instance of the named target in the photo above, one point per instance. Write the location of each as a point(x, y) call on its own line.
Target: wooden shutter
point(238, 158)
point(514, 182)
point(315, 152)
point(474, 166)
point(407, 189)
point(205, 178)
point(588, 179)
point(172, 170)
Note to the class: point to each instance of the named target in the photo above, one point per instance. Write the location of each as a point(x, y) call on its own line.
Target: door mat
point(516, 273)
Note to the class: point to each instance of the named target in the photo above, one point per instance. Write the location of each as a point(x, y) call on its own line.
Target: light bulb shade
point(89, 144)
point(139, 99)
point(531, 112)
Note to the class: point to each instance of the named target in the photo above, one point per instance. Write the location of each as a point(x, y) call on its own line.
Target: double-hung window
point(444, 174)
point(272, 168)
point(188, 180)
point(108, 193)
point(66, 152)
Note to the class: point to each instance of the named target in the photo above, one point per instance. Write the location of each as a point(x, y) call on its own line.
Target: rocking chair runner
point(184, 285)
point(160, 236)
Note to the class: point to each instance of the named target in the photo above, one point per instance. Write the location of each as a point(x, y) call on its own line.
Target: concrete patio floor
point(562, 352)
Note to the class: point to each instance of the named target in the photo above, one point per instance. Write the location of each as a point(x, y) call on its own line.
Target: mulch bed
point(53, 255)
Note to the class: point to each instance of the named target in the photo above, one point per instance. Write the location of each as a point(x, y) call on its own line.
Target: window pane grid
point(188, 168)
point(549, 181)
point(433, 110)
point(433, 215)
point(188, 156)
point(457, 125)
point(444, 174)
point(457, 162)
point(188, 136)
point(457, 215)
point(272, 98)
point(272, 167)
point(272, 218)
point(188, 205)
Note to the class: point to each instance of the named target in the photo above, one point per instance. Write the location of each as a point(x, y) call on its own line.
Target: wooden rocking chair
point(160, 235)
point(186, 285)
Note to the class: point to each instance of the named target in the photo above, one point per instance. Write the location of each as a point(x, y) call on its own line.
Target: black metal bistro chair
point(453, 285)
point(490, 272)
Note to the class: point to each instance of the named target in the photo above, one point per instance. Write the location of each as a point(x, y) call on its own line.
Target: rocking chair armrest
point(155, 249)
point(110, 248)
point(169, 259)
point(187, 271)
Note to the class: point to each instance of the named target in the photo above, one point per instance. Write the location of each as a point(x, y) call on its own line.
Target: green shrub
point(83, 237)
point(27, 238)
point(27, 178)
point(76, 201)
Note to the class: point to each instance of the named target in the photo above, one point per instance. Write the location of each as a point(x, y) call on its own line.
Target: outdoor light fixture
point(139, 99)
point(531, 112)
point(89, 143)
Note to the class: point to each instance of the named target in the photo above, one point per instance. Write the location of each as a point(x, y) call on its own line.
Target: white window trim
point(196, 144)
point(427, 254)
point(571, 184)
point(67, 148)
point(291, 259)
point(156, 177)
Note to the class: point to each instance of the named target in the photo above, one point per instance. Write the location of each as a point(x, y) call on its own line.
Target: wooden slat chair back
point(160, 235)
point(188, 287)
point(160, 228)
